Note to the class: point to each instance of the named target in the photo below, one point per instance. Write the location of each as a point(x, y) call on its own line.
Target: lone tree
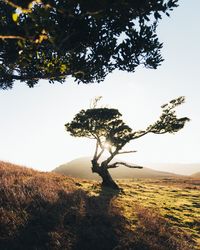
point(111, 134)
point(85, 39)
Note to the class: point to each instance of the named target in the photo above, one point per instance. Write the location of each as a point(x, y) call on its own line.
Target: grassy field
point(160, 205)
point(49, 211)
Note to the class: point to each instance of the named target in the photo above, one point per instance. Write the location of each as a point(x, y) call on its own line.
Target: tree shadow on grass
point(44, 228)
point(74, 221)
point(98, 228)
point(77, 221)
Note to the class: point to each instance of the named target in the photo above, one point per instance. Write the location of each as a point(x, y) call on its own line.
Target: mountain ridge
point(81, 168)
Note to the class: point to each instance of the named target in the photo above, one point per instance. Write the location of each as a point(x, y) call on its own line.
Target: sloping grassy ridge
point(49, 211)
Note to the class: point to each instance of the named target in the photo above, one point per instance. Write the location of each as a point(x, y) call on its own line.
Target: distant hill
point(177, 168)
point(81, 168)
point(196, 175)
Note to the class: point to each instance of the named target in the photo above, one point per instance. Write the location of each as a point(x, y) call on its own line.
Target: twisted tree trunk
point(107, 180)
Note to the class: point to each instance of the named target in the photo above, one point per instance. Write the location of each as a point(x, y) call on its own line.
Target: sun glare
point(107, 145)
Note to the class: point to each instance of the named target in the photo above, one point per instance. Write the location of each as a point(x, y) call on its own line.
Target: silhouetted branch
point(96, 150)
point(139, 134)
point(127, 152)
point(117, 164)
point(109, 159)
point(100, 154)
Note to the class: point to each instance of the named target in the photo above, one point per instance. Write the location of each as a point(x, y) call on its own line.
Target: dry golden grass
point(50, 211)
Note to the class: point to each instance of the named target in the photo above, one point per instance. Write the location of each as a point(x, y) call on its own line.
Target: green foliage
point(168, 121)
point(51, 39)
point(104, 124)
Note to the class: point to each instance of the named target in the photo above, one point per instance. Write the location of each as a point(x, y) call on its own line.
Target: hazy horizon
point(181, 168)
point(160, 166)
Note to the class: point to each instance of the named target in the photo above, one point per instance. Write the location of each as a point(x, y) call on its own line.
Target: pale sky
point(32, 120)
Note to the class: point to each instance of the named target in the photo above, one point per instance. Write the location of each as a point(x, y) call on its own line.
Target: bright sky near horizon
point(32, 120)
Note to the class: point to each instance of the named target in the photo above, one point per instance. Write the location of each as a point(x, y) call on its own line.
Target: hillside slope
point(81, 168)
point(196, 175)
point(49, 211)
point(30, 206)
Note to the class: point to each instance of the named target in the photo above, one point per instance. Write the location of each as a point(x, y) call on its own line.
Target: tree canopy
point(85, 39)
point(105, 125)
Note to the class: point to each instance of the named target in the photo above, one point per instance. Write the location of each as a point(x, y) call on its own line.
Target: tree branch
point(96, 150)
point(109, 159)
point(100, 144)
point(17, 6)
point(159, 133)
point(127, 152)
point(140, 135)
point(100, 154)
point(117, 164)
point(12, 37)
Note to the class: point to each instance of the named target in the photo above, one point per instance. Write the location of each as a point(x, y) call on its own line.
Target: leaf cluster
point(168, 122)
point(102, 124)
point(52, 39)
